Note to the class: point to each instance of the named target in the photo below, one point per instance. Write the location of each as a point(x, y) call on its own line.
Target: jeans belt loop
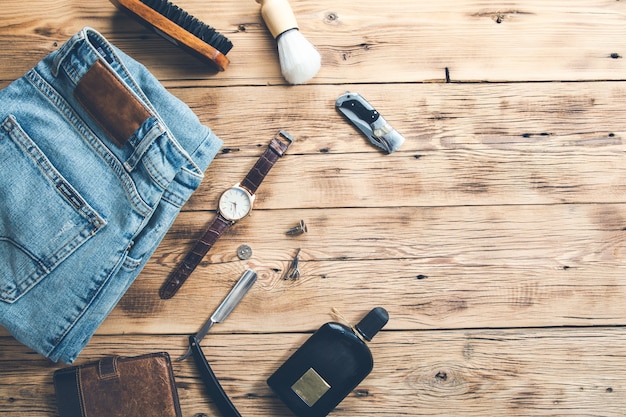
point(65, 50)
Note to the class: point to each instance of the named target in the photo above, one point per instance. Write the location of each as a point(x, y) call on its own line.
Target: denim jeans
point(96, 160)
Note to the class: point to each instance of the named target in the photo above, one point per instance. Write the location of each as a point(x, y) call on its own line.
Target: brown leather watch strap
point(193, 258)
point(275, 150)
point(251, 182)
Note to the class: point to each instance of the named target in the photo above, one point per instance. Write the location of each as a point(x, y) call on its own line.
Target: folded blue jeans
point(96, 160)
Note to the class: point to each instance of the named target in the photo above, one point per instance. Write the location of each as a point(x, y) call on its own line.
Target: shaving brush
point(299, 60)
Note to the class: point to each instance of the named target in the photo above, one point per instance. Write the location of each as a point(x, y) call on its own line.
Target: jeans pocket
point(43, 219)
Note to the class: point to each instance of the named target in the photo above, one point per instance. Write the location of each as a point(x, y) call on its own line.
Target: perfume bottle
point(328, 366)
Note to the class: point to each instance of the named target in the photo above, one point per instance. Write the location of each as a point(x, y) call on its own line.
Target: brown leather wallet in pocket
point(118, 387)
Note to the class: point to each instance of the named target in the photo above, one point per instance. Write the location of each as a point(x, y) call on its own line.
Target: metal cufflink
point(293, 272)
point(297, 230)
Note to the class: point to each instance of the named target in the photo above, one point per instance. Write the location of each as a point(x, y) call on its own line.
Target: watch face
point(235, 203)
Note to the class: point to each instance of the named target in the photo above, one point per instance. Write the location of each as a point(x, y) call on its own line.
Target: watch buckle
point(287, 137)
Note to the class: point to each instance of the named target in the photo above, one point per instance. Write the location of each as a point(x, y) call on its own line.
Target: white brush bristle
point(299, 60)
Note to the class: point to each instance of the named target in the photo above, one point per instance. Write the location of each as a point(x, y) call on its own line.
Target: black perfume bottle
point(328, 366)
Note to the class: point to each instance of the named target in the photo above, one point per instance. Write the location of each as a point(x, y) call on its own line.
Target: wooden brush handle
point(172, 32)
point(278, 16)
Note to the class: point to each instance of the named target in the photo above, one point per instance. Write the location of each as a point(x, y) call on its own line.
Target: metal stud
point(297, 230)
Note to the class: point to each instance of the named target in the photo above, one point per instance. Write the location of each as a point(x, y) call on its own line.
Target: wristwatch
point(234, 204)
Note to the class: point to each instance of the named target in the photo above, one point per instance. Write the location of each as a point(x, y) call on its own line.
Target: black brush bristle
point(191, 24)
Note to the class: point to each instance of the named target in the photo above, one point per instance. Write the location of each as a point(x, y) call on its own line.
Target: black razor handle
point(213, 387)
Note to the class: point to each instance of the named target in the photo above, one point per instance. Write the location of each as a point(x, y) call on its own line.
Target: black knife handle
point(362, 112)
point(213, 387)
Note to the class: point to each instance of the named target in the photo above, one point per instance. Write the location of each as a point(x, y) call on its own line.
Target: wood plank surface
point(365, 42)
point(495, 237)
point(481, 372)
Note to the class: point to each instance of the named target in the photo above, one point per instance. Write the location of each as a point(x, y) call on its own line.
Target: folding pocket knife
point(371, 123)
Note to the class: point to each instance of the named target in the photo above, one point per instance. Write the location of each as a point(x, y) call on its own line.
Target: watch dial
point(235, 204)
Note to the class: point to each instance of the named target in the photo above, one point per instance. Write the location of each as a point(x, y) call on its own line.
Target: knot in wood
point(331, 18)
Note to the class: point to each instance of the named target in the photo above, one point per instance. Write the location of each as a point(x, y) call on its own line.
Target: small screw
point(244, 252)
point(297, 230)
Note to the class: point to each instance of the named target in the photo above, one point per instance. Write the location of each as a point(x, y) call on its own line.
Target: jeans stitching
point(53, 178)
point(59, 102)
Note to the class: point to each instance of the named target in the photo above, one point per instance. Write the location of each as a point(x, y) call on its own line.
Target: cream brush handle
point(278, 16)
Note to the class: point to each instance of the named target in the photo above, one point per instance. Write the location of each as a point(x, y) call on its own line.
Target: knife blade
point(369, 121)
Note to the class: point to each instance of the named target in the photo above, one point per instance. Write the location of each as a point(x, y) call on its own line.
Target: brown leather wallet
point(118, 387)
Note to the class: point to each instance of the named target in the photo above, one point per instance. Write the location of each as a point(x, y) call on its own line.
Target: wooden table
point(495, 237)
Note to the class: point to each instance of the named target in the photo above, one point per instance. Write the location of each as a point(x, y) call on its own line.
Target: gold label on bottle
point(310, 387)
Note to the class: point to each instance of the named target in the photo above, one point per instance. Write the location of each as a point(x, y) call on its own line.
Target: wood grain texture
point(366, 42)
point(495, 237)
point(459, 267)
point(481, 372)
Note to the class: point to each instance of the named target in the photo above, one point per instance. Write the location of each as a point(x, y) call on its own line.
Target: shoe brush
point(180, 28)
